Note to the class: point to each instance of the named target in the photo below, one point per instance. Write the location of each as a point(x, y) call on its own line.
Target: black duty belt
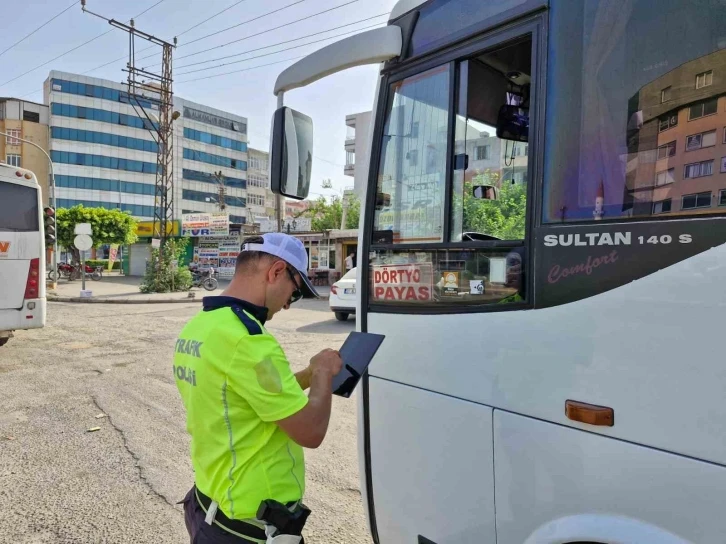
point(237, 526)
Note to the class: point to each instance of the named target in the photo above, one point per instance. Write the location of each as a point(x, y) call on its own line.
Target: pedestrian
point(247, 414)
point(349, 261)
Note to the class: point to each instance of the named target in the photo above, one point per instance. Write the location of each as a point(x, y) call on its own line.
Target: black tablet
point(357, 353)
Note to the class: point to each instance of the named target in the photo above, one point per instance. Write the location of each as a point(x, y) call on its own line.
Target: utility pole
point(221, 191)
point(161, 126)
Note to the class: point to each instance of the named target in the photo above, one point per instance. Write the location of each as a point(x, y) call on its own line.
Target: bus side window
point(446, 276)
point(490, 173)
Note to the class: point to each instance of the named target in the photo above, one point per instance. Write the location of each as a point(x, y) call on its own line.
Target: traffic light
point(49, 223)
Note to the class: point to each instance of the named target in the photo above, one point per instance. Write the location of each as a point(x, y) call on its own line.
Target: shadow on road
point(329, 327)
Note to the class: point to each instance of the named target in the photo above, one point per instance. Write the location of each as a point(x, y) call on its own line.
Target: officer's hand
point(328, 361)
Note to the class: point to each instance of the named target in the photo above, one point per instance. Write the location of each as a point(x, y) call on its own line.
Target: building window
point(217, 160)
point(412, 157)
point(198, 196)
point(665, 95)
point(704, 79)
point(698, 169)
point(519, 150)
point(669, 121)
point(665, 177)
point(697, 141)
point(101, 161)
point(664, 206)
point(481, 153)
point(206, 177)
point(258, 164)
point(103, 138)
point(722, 197)
point(723, 164)
point(32, 116)
point(13, 160)
point(667, 150)
point(702, 109)
point(254, 180)
point(349, 158)
point(255, 200)
point(699, 200)
point(214, 139)
point(13, 135)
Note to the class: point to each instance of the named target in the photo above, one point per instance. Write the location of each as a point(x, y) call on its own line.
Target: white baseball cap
point(289, 249)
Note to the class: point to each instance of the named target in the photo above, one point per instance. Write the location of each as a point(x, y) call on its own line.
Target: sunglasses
point(297, 293)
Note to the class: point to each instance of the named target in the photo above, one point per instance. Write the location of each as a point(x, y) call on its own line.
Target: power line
point(245, 22)
point(238, 71)
point(56, 58)
point(280, 51)
point(268, 30)
point(210, 18)
point(149, 9)
point(235, 26)
point(37, 29)
point(286, 41)
point(180, 34)
point(73, 49)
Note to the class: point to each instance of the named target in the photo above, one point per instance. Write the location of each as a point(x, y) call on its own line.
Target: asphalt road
point(60, 483)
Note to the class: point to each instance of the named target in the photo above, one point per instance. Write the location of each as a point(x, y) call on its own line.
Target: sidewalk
point(116, 289)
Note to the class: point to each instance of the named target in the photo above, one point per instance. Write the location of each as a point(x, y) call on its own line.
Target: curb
point(123, 300)
point(131, 300)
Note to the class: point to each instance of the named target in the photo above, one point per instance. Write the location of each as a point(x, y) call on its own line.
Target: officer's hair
point(249, 260)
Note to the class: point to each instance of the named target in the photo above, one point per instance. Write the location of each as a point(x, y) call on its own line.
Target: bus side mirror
point(291, 153)
point(485, 192)
point(513, 123)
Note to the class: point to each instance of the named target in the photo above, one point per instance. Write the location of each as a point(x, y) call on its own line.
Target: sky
point(247, 93)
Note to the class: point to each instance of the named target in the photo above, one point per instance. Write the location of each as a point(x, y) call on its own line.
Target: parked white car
point(342, 295)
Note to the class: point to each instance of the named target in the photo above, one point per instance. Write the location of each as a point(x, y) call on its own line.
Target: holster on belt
point(283, 525)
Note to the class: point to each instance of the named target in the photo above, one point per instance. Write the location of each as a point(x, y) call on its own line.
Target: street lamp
point(51, 197)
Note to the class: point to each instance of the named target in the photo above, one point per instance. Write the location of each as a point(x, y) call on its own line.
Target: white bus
point(543, 247)
point(22, 252)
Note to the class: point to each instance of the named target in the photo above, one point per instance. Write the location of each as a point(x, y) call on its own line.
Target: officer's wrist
point(320, 370)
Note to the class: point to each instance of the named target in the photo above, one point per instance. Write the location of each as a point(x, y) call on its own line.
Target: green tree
point(503, 218)
point(107, 226)
point(164, 274)
point(329, 215)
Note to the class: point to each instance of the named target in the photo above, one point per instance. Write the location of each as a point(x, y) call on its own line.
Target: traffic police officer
point(247, 414)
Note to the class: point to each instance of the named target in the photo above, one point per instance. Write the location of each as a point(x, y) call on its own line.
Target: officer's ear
point(276, 271)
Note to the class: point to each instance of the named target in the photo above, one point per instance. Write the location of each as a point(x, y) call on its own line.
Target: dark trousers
point(200, 532)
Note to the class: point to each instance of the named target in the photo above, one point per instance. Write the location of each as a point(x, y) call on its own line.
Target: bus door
point(447, 262)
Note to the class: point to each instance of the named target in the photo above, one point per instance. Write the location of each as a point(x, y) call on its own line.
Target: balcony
point(349, 169)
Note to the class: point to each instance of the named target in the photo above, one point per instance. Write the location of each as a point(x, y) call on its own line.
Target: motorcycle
point(69, 271)
point(204, 278)
point(64, 271)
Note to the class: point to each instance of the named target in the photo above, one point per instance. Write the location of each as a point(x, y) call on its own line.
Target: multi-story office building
point(102, 142)
point(29, 121)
